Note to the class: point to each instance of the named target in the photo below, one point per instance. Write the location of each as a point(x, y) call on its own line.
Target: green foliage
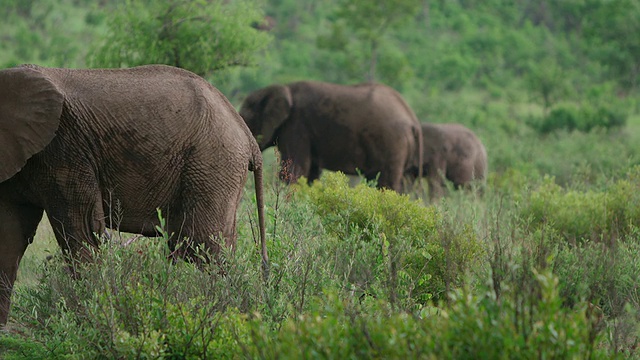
point(605, 275)
point(546, 81)
point(380, 15)
point(401, 239)
point(586, 118)
point(358, 272)
point(515, 325)
point(332, 293)
point(201, 36)
point(470, 327)
point(598, 216)
point(371, 29)
point(47, 32)
point(611, 27)
point(131, 303)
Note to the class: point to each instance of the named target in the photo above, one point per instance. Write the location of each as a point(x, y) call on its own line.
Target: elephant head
point(265, 111)
point(30, 115)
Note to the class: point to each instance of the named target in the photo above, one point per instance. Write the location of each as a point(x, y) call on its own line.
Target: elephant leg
point(437, 188)
point(392, 177)
point(296, 154)
point(409, 181)
point(206, 217)
point(78, 226)
point(460, 175)
point(437, 185)
point(188, 235)
point(18, 226)
point(390, 157)
point(314, 172)
point(435, 171)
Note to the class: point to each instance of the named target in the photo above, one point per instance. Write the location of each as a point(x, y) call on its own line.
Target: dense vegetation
point(543, 265)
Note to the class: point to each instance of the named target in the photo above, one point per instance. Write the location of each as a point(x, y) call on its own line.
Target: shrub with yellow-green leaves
point(407, 243)
point(473, 325)
point(592, 215)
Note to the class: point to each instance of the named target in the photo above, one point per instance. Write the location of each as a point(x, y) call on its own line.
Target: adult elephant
point(452, 152)
point(74, 143)
point(365, 128)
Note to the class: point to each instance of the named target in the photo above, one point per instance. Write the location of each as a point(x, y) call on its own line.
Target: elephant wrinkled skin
point(367, 128)
point(451, 151)
point(76, 143)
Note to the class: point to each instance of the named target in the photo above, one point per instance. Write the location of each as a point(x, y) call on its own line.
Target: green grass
point(352, 269)
point(44, 244)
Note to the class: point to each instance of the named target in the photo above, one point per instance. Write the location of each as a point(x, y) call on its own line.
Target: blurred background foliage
point(555, 49)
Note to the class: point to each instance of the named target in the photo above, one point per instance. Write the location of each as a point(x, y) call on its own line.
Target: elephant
point(451, 151)
point(363, 129)
point(76, 143)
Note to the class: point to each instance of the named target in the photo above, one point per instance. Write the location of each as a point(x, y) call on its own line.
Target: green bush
point(561, 117)
point(473, 326)
point(521, 323)
point(599, 216)
point(132, 303)
point(603, 275)
point(332, 292)
point(584, 118)
point(402, 240)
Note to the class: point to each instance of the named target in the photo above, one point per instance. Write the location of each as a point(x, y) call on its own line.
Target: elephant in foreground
point(83, 144)
point(365, 128)
point(452, 152)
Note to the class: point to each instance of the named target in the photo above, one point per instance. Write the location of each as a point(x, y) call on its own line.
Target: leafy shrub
point(521, 323)
point(585, 118)
point(472, 326)
point(606, 276)
point(403, 240)
point(561, 117)
point(133, 303)
point(586, 215)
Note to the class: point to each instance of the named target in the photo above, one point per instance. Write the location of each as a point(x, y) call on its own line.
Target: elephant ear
point(30, 108)
point(276, 110)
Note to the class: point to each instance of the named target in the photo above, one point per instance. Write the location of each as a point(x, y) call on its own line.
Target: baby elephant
point(451, 151)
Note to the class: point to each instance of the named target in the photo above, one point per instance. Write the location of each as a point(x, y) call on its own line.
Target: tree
point(613, 29)
point(370, 20)
point(44, 32)
point(546, 82)
point(202, 36)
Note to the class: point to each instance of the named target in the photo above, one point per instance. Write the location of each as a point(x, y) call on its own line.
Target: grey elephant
point(74, 143)
point(452, 152)
point(365, 128)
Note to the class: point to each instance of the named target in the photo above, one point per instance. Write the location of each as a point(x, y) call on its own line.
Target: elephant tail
point(256, 167)
point(417, 133)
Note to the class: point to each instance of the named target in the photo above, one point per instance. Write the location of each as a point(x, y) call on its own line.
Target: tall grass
point(356, 272)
